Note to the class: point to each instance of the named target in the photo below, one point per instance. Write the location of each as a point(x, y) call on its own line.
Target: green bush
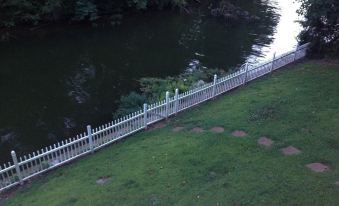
point(129, 104)
point(154, 89)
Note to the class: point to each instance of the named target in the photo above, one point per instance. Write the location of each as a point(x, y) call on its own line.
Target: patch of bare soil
point(158, 125)
point(103, 180)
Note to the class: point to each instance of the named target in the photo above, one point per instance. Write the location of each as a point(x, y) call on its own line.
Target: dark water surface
point(52, 85)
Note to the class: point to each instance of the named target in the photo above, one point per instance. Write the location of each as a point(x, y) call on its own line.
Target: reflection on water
point(52, 85)
point(77, 84)
point(193, 33)
point(285, 34)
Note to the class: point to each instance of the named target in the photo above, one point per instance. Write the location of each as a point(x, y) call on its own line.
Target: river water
point(55, 83)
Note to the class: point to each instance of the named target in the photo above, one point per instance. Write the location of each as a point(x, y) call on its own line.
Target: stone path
point(217, 129)
point(265, 141)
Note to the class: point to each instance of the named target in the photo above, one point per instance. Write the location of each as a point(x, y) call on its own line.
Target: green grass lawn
point(297, 106)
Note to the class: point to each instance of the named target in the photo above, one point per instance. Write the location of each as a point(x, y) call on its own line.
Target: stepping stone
point(290, 150)
point(318, 167)
point(239, 133)
point(177, 129)
point(197, 130)
point(217, 130)
point(337, 183)
point(265, 141)
point(103, 180)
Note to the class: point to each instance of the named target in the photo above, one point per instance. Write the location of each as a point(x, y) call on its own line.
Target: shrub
point(129, 104)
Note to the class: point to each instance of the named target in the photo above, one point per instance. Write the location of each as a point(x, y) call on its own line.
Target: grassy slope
point(298, 106)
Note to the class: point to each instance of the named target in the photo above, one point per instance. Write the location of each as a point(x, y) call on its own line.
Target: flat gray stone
point(217, 130)
point(318, 167)
point(197, 130)
point(265, 141)
point(239, 133)
point(290, 150)
point(177, 129)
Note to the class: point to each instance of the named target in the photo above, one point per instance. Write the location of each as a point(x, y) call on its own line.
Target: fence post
point(17, 168)
point(295, 52)
point(176, 104)
point(273, 60)
point(145, 116)
point(214, 85)
point(90, 138)
point(167, 104)
point(245, 77)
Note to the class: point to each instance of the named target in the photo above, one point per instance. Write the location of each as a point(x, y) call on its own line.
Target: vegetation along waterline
point(212, 154)
point(33, 15)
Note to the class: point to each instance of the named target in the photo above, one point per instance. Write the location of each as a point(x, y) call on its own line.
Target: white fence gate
point(27, 166)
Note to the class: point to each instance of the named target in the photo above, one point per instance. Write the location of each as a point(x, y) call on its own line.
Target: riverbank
point(74, 75)
point(39, 18)
point(194, 159)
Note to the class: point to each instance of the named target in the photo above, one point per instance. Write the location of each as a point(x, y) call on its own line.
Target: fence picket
point(17, 168)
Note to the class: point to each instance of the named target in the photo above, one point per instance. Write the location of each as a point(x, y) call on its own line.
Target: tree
point(34, 12)
point(321, 26)
point(85, 9)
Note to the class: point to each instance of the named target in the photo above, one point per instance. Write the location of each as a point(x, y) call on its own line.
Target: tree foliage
point(321, 26)
point(33, 12)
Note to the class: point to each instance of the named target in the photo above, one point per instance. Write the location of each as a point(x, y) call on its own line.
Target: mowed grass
point(297, 106)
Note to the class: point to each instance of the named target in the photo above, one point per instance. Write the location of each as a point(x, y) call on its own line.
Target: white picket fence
point(28, 166)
